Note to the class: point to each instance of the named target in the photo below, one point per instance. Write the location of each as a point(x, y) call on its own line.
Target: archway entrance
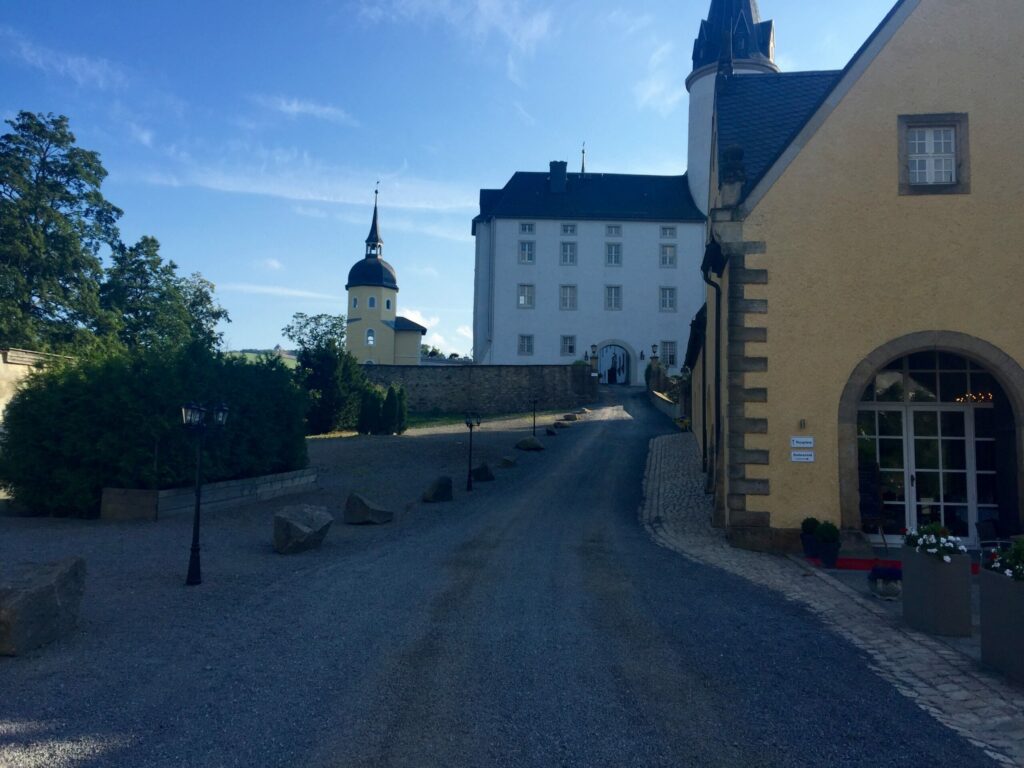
point(936, 443)
point(613, 365)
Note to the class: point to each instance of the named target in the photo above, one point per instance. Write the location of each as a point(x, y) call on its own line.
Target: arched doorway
point(932, 435)
point(613, 365)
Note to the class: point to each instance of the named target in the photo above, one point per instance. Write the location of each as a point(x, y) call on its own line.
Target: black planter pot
point(810, 542)
point(829, 553)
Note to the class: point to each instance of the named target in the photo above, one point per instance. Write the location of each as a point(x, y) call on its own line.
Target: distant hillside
point(252, 355)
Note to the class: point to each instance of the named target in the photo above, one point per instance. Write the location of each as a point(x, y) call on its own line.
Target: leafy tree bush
point(371, 413)
point(403, 412)
point(389, 412)
point(115, 421)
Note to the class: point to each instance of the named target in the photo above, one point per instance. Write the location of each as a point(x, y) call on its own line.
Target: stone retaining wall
point(664, 404)
point(129, 504)
point(488, 389)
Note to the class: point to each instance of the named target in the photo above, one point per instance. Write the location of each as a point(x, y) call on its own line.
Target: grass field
point(252, 357)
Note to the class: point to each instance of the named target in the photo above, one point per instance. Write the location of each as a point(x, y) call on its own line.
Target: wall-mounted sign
point(802, 457)
point(804, 443)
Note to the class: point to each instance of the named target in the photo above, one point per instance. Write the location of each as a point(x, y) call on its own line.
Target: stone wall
point(488, 389)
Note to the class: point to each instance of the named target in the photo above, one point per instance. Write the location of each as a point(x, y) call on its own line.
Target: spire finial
point(583, 165)
point(374, 242)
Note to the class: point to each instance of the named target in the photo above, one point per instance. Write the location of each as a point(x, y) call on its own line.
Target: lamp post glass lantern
point(472, 421)
point(193, 416)
point(654, 350)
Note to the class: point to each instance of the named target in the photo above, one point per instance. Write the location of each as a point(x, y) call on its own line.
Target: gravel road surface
point(532, 623)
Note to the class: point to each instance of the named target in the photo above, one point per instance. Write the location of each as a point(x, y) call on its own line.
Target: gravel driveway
point(532, 623)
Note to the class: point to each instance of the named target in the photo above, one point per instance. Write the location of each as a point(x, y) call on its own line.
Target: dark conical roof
point(373, 270)
point(734, 29)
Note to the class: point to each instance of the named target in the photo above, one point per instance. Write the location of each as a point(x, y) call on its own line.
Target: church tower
point(372, 302)
point(375, 332)
point(732, 37)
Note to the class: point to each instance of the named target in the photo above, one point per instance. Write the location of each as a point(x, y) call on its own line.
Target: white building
point(569, 261)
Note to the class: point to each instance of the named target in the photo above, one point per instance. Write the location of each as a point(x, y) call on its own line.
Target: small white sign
point(802, 457)
point(801, 442)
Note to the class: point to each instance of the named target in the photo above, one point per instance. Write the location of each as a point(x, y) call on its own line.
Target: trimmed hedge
point(74, 429)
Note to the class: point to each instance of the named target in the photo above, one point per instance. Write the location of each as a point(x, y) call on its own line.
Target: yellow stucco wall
point(362, 318)
point(407, 347)
point(853, 265)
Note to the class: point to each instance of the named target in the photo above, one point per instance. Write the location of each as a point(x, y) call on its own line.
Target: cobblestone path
point(951, 687)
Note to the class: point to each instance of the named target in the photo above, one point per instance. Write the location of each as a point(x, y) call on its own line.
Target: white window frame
point(928, 167)
point(527, 228)
point(355, 302)
point(568, 254)
point(371, 302)
point(668, 256)
point(525, 344)
point(526, 296)
point(613, 298)
point(568, 298)
point(613, 230)
point(371, 337)
point(931, 154)
point(611, 260)
point(568, 230)
point(667, 298)
point(527, 252)
point(669, 353)
point(669, 232)
point(568, 346)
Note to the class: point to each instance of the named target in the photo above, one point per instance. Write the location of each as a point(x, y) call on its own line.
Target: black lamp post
point(472, 421)
point(535, 417)
point(193, 416)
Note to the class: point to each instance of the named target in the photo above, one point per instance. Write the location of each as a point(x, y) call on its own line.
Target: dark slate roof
point(405, 324)
point(374, 237)
point(373, 272)
point(751, 38)
point(763, 113)
point(603, 196)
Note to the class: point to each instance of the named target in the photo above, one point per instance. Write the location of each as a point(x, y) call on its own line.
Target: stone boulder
point(300, 527)
point(483, 473)
point(551, 432)
point(439, 490)
point(530, 444)
point(360, 511)
point(570, 417)
point(507, 462)
point(562, 425)
point(39, 604)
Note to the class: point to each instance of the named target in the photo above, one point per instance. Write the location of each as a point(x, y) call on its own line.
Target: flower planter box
point(1002, 624)
point(937, 594)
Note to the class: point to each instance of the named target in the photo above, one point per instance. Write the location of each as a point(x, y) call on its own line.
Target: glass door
point(939, 469)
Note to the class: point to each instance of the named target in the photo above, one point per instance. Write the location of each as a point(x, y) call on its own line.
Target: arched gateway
point(613, 365)
point(930, 432)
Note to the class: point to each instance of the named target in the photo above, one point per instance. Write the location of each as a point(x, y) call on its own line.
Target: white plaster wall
point(482, 294)
point(639, 324)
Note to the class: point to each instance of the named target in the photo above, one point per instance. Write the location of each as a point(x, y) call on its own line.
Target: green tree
point(309, 332)
point(203, 311)
point(389, 419)
point(53, 223)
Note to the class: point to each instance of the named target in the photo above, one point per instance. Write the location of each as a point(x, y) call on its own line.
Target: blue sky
point(247, 137)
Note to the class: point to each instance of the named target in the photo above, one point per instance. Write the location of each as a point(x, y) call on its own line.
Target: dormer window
point(934, 154)
point(371, 302)
point(526, 228)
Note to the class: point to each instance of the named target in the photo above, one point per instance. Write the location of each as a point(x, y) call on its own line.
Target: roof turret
point(734, 31)
point(372, 270)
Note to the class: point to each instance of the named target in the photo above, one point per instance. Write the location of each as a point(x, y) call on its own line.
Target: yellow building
point(376, 334)
point(861, 355)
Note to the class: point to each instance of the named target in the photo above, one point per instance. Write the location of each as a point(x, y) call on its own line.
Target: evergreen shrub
point(73, 429)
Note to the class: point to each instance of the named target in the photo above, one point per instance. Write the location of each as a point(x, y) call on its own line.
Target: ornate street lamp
point(654, 350)
point(193, 416)
point(472, 421)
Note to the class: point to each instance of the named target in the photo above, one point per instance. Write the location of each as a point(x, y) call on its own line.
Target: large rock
point(40, 604)
point(360, 511)
point(551, 432)
point(483, 473)
point(570, 417)
point(300, 527)
point(439, 490)
point(507, 462)
point(530, 444)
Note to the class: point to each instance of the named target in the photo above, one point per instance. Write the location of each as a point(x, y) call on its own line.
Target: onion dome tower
point(733, 39)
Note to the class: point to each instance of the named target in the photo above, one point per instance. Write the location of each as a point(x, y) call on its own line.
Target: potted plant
point(827, 536)
point(807, 538)
point(886, 583)
point(1002, 612)
point(936, 582)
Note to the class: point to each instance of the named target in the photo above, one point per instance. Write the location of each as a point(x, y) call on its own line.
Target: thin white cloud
point(465, 332)
point(525, 116)
point(662, 89)
point(295, 175)
point(310, 213)
point(437, 340)
point(277, 290)
point(430, 272)
point(143, 136)
point(628, 22)
point(418, 317)
point(294, 107)
point(85, 71)
point(273, 265)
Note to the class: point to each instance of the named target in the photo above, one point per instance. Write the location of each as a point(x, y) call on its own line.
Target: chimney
point(558, 176)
